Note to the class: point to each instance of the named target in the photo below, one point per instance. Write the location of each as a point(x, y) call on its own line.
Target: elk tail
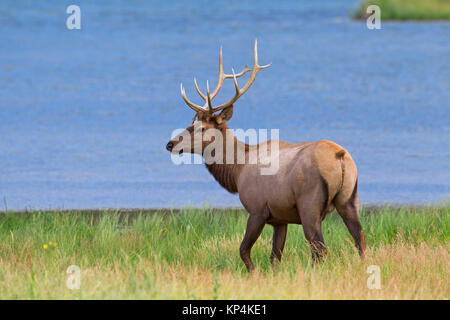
point(340, 156)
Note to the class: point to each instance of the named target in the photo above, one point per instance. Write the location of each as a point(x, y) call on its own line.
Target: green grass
point(407, 9)
point(194, 254)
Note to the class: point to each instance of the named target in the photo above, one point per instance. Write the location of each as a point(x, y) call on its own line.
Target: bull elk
point(313, 178)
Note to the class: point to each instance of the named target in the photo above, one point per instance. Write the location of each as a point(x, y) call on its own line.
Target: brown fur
point(312, 180)
point(225, 175)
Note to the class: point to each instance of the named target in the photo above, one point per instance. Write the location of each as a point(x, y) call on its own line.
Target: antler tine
point(236, 86)
point(255, 69)
point(236, 95)
point(222, 76)
point(210, 107)
point(239, 92)
point(198, 90)
point(193, 106)
point(256, 57)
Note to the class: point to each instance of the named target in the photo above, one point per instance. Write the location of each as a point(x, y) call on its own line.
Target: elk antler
point(222, 76)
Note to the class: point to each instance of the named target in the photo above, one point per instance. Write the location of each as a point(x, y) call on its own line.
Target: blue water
point(85, 114)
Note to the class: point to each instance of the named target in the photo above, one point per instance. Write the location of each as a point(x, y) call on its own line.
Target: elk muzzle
point(169, 146)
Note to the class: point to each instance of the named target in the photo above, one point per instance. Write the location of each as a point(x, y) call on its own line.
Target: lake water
point(85, 114)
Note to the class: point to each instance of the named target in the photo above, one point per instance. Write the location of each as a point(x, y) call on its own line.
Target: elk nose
point(169, 146)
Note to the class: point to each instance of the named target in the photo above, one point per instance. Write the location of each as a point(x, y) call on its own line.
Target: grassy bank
point(194, 254)
point(407, 9)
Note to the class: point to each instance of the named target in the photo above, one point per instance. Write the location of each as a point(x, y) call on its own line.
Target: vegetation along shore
point(407, 9)
point(193, 253)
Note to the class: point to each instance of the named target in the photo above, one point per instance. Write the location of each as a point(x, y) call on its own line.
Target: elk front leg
point(279, 238)
point(255, 225)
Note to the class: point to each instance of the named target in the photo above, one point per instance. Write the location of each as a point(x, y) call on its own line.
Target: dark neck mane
point(227, 174)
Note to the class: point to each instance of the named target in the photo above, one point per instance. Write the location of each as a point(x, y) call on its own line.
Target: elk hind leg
point(311, 208)
point(313, 234)
point(349, 211)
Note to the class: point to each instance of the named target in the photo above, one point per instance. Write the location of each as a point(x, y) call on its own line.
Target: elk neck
point(226, 173)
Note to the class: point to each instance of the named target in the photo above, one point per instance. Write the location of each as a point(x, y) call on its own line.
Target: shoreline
point(165, 211)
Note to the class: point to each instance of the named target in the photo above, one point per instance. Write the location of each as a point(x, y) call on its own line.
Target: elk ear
point(225, 115)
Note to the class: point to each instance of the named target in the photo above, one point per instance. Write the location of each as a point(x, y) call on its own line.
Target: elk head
point(206, 117)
